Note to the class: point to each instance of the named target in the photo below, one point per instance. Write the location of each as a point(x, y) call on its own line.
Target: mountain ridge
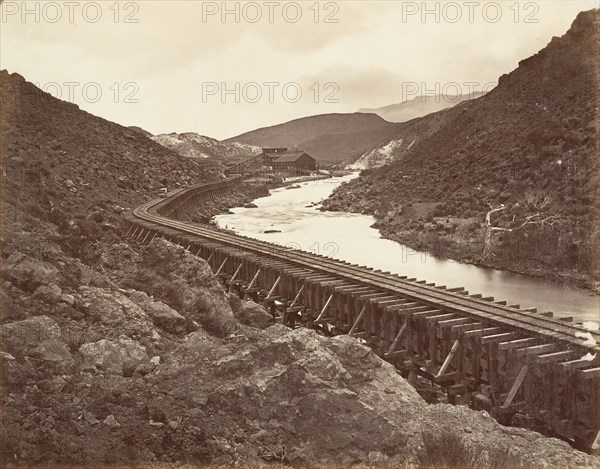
point(419, 106)
point(531, 142)
point(326, 137)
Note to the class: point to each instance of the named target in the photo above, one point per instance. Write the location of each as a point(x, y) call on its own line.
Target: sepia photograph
point(300, 234)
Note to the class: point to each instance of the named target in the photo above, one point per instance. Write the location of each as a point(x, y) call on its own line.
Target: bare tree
point(536, 210)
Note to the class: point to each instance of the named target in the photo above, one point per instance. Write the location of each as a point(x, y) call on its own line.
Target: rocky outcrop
point(195, 292)
point(114, 309)
point(29, 273)
point(195, 146)
point(48, 293)
point(234, 391)
point(113, 356)
point(29, 332)
point(250, 313)
point(162, 315)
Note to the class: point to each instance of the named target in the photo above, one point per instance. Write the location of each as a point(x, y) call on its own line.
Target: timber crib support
point(481, 358)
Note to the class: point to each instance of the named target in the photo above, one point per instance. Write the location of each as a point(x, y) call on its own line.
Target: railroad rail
point(484, 352)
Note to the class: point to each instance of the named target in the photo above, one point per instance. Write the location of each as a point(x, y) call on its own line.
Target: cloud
point(172, 50)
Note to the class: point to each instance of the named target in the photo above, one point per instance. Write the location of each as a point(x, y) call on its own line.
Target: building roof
point(290, 157)
point(274, 150)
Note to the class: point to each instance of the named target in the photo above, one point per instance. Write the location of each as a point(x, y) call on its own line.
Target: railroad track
point(484, 352)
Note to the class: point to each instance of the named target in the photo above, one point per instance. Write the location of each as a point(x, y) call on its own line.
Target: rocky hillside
point(61, 161)
point(419, 106)
point(116, 353)
point(527, 153)
point(405, 138)
point(326, 137)
point(193, 145)
point(139, 130)
point(145, 355)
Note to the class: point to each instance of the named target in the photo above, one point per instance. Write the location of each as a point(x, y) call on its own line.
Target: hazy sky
point(177, 66)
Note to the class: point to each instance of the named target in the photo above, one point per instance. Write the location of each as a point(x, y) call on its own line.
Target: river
point(349, 237)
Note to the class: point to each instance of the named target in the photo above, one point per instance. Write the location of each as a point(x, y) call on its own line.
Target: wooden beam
point(358, 320)
point(576, 364)
point(538, 349)
point(554, 356)
point(481, 332)
point(396, 339)
point(466, 327)
point(448, 359)
point(221, 268)
point(518, 343)
point(273, 287)
point(454, 322)
point(320, 317)
point(297, 297)
point(421, 311)
point(235, 274)
point(252, 282)
point(516, 385)
point(439, 317)
point(590, 373)
point(488, 339)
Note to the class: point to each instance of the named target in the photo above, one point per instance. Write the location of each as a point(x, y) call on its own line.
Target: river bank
point(470, 253)
point(295, 218)
point(242, 196)
point(459, 237)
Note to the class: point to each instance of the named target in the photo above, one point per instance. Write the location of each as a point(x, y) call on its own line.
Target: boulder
point(118, 256)
point(85, 275)
point(112, 356)
point(195, 292)
point(161, 314)
point(54, 351)
point(252, 314)
point(48, 293)
point(111, 422)
point(30, 273)
point(100, 280)
point(323, 398)
point(115, 309)
point(30, 332)
point(67, 299)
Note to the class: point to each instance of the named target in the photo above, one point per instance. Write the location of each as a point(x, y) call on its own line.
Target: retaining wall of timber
point(483, 352)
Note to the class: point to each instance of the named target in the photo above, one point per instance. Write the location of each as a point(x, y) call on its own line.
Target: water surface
point(349, 237)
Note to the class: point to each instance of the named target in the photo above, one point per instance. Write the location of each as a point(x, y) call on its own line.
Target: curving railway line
point(483, 352)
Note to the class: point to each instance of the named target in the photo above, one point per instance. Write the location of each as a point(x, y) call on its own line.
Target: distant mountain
point(420, 106)
point(529, 148)
point(326, 137)
point(196, 146)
